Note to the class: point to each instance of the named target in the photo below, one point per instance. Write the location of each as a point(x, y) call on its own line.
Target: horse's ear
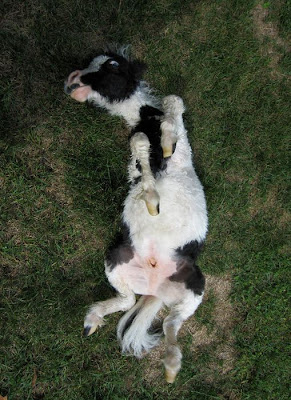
point(138, 68)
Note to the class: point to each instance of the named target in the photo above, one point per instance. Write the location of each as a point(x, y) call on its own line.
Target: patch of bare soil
point(221, 337)
point(219, 343)
point(268, 30)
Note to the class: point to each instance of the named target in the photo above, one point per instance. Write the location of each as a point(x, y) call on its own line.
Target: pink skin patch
point(82, 92)
point(145, 275)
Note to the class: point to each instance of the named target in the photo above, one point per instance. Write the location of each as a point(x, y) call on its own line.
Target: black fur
point(137, 180)
point(121, 250)
point(155, 328)
point(150, 122)
point(129, 322)
point(118, 82)
point(190, 250)
point(115, 82)
point(187, 270)
point(138, 166)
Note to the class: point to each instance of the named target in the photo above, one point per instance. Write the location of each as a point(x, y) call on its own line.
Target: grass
point(63, 174)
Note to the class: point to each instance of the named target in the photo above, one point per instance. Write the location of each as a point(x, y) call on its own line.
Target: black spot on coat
point(190, 250)
point(149, 124)
point(129, 322)
point(121, 250)
point(187, 271)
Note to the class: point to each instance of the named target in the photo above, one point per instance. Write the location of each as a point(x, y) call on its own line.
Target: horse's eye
point(114, 64)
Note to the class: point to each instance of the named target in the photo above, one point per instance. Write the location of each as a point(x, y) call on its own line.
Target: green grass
point(63, 181)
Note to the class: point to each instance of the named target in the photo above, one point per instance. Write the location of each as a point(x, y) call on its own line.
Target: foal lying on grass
point(164, 226)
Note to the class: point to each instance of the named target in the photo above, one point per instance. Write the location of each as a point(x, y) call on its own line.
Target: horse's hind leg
point(171, 326)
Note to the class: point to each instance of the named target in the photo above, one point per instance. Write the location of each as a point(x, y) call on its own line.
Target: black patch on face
point(121, 250)
point(115, 81)
point(187, 270)
point(150, 122)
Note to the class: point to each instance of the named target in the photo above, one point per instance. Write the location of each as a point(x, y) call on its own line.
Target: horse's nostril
point(74, 86)
point(73, 76)
point(70, 89)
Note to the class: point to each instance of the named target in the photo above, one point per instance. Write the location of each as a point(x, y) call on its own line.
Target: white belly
point(182, 218)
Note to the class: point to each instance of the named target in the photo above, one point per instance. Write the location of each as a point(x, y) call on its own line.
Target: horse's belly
point(144, 276)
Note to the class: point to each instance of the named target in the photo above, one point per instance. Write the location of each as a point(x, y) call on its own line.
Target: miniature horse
point(164, 215)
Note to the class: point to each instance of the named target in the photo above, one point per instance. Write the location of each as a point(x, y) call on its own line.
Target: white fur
point(124, 301)
point(172, 323)
point(173, 108)
point(182, 202)
point(182, 219)
point(140, 150)
point(128, 108)
point(96, 64)
point(137, 340)
point(146, 265)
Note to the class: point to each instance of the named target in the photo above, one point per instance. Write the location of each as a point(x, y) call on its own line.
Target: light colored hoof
point(91, 324)
point(167, 151)
point(170, 376)
point(88, 330)
point(152, 200)
point(152, 209)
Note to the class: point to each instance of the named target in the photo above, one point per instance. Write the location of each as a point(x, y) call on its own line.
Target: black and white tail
point(133, 330)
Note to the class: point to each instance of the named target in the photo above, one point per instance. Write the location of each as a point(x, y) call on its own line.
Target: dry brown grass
point(269, 30)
